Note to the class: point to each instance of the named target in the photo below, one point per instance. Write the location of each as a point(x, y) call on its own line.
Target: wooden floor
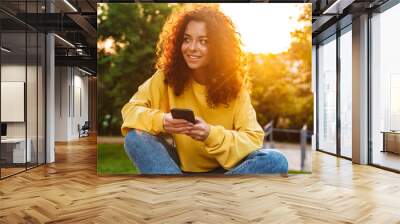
point(10, 171)
point(388, 159)
point(69, 191)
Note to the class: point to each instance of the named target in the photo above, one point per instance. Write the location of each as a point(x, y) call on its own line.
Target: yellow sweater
point(234, 130)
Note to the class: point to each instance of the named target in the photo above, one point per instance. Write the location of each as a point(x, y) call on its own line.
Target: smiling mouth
point(194, 56)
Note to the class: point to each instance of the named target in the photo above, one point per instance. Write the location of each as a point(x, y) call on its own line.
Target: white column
point(50, 92)
point(360, 90)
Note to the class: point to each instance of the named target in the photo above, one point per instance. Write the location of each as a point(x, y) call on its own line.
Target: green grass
point(112, 159)
point(298, 172)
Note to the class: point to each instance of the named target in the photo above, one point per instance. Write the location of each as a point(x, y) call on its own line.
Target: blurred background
point(277, 42)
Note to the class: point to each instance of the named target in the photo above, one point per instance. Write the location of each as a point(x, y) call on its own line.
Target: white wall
point(33, 127)
point(71, 94)
point(61, 103)
point(14, 73)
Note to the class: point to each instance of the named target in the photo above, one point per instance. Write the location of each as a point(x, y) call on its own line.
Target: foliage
point(281, 83)
point(281, 89)
point(134, 29)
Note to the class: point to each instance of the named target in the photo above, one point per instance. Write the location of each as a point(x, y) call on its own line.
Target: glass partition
point(31, 97)
point(14, 153)
point(22, 89)
point(41, 157)
point(327, 95)
point(385, 89)
point(346, 93)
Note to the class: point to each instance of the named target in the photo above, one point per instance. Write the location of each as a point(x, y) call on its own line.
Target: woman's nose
point(193, 46)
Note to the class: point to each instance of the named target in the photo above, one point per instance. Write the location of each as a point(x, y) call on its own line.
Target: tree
point(282, 82)
point(133, 31)
point(281, 89)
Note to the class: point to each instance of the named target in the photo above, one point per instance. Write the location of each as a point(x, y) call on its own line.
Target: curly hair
point(225, 73)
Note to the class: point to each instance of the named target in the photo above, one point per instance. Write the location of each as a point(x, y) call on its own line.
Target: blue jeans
point(152, 155)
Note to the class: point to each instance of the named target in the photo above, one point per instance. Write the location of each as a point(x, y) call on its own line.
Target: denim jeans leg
point(262, 161)
point(148, 154)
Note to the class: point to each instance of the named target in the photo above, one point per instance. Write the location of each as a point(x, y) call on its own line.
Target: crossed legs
point(152, 156)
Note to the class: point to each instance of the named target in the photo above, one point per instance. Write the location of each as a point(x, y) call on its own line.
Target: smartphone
point(186, 114)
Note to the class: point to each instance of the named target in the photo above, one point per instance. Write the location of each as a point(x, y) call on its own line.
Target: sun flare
point(264, 28)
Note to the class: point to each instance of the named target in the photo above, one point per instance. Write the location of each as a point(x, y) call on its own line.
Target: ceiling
point(74, 22)
point(330, 15)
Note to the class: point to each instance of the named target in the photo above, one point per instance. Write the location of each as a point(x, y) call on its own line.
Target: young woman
point(199, 67)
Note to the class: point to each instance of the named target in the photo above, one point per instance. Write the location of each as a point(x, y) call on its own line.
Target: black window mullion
point(69, 92)
point(37, 90)
point(0, 94)
point(73, 92)
point(45, 94)
point(338, 115)
point(369, 89)
point(316, 96)
point(45, 89)
point(26, 87)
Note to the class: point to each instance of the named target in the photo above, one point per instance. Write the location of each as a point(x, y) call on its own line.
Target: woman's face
point(195, 45)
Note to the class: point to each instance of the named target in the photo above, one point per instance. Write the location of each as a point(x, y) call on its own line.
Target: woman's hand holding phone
point(176, 126)
point(198, 131)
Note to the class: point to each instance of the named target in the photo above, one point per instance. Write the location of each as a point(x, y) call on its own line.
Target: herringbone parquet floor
point(69, 191)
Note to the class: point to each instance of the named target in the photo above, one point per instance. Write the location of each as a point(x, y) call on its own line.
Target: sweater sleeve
point(231, 146)
point(143, 110)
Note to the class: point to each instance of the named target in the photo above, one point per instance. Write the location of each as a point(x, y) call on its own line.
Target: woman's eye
point(186, 40)
point(203, 42)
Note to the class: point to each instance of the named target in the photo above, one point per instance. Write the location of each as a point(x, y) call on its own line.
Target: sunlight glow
point(264, 28)
point(107, 45)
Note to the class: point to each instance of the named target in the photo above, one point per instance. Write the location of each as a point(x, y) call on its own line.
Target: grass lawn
point(112, 159)
point(298, 172)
